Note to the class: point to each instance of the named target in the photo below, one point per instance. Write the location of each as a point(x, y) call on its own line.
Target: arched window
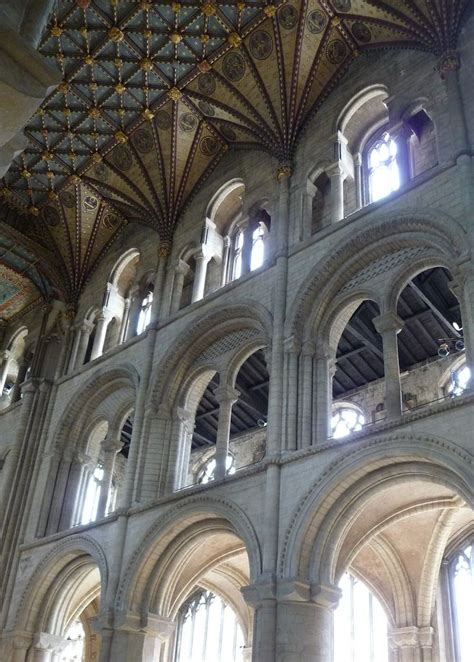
point(75, 637)
point(383, 167)
point(462, 594)
point(237, 254)
point(345, 420)
point(91, 497)
point(207, 472)
point(208, 631)
point(258, 248)
point(144, 316)
point(459, 381)
point(360, 624)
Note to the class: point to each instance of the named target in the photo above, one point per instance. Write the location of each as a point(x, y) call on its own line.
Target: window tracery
point(206, 474)
point(208, 630)
point(345, 420)
point(383, 167)
point(360, 624)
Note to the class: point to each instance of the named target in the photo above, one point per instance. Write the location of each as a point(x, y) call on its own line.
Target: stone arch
point(193, 343)
point(123, 261)
point(361, 459)
point(220, 195)
point(407, 236)
point(98, 387)
point(50, 574)
point(192, 515)
point(356, 103)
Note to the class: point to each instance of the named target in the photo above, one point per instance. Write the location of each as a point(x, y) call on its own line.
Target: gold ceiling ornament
point(118, 62)
point(67, 111)
point(84, 32)
point(146, 64)
point(25, 173)
point(284, 172)
point(241, 6)
point(56, 31)
point(176, 7)
point(72, 155)
point(89, 59)
point(204, 67)
point(47, 156)
point(449, 62)
point(97, 157)
point(63, 87)
point(165, 249)
point(335, 21)
point(147, 34)
point(175, 94)
point(95, 135)
point(52, 195)
point(269, 10)
point(94, 112)
point(234, 39)
point(175, 37)
point(208, 8)
point(74, 179)
point(120, 88)
point(41, 112)
point(93, 85)
point(204, 38)
point(34, 210)
point(148, 114)
point(145, 5)
point(7, 193)
point(121, 112)
point(116, 34)
point(121, 137)
point(50, 174)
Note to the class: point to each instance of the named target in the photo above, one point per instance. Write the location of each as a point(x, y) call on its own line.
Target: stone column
point(109, 453)
point(307, 220)
point(125, 320)
point(199, 277)
point(246, 253)
point(72, 500)
point(307, 393)
point(324, 369)
point(389, 326)
point(133, 637)
point(336, 175)
point(102, 322)
point(226, 397)
point(449, 67)
point(22, 370)
point(262, 598)
point(225, 260)
point(402, 134)
point(84, 331)
point(358, 180)
point(163, 255)
point(44, 645)
point(5, 363)
point(180, 273)
point(292, 350)
point(463, 288)
point(406, 642)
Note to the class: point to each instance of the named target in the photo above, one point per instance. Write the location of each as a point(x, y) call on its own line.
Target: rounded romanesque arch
point(382, 245)
point(150, 580)
point(228, 328)
point(362, 458)
point(66, 563)
point(119, 384)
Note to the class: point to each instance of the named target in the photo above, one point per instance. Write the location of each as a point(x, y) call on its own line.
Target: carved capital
point(407, 637)
point(226, 394)
point(449, 62)
point(326, 595)
point(388, 322)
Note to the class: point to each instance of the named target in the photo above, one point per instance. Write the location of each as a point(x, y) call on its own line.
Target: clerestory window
point(383, 167)
point(144, 316)
point(92, 494)
point(459, 381)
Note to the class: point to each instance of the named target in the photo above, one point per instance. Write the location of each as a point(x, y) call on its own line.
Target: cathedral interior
point(236, 330)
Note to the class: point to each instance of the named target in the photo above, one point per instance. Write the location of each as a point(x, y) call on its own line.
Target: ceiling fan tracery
point(155, 93)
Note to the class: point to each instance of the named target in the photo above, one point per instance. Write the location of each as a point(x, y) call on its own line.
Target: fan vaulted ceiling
point(155, 93)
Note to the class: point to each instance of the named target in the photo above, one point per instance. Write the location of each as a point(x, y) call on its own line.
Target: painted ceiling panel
point(154, 93)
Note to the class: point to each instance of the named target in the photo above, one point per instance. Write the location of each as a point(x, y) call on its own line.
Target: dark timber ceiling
point(428, 308)
point(155, 93)
point(252, 405)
